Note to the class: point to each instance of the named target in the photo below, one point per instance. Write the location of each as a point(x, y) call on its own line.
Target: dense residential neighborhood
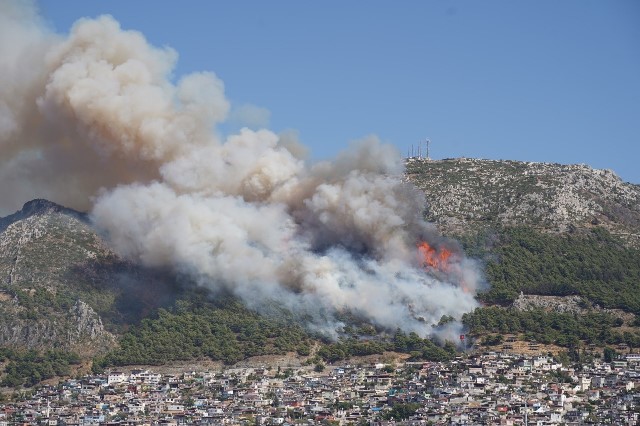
point(491, 388)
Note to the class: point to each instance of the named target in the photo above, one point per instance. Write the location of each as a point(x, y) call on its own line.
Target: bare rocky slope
point(465, 194)
point(60, 284)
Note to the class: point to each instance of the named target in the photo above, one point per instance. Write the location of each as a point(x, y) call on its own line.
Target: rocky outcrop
point(567, 304)
point(87, 326)
point(80, 330)
point(24, 333)
point(563, 304)
point(88, 323)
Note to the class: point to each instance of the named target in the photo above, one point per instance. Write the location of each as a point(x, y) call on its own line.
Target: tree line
point(28, 368)
point(228, 332)
point(562, 329)
point(594, 265)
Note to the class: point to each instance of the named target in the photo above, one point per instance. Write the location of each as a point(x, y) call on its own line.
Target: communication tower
point(417, 151)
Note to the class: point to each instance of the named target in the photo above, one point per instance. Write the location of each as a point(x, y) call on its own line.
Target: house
point(116, 377)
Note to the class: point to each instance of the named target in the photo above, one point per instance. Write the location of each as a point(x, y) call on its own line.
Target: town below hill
point(558, 246)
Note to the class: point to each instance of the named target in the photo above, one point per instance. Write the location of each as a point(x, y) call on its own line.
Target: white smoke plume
point(93, 120)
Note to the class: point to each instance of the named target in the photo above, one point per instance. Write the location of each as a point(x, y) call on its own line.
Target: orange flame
point(432, 258)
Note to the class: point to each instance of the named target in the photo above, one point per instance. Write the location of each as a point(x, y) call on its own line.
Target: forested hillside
point(594, 265)
point(66, 297)
point(542, 229)
point(536, 229)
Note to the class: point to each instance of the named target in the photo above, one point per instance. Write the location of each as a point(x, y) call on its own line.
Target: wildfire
point(441, 260)
point(432, 258)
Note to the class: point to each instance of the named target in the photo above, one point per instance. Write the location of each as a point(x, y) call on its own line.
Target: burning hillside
point(432, 258)
point(93, 119)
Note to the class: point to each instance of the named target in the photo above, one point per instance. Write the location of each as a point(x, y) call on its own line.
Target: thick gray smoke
point(92, 120)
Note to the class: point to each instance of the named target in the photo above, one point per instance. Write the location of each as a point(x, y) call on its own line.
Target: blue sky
point(555, 81)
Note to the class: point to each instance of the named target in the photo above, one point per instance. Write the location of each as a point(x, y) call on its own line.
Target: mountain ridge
point(62, 286)
point(467, 193)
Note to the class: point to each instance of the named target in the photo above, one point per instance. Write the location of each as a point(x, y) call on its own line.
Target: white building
point(116, 377)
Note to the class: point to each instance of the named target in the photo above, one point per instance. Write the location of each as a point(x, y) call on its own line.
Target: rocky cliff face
point(80, 330)
point(465, 194)
point(62, 286)
point(87, 325)
point(41, 247)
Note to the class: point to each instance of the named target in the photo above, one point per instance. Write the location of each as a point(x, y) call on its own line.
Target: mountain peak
point(39, 207)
